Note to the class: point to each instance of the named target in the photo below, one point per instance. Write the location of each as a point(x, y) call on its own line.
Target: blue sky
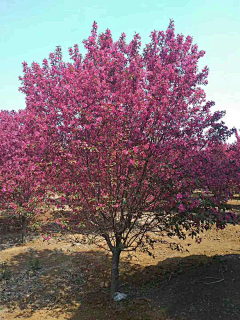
point(31, 29)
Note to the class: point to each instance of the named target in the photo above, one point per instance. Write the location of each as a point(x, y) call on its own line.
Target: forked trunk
point(115, 270)
point(24, 229)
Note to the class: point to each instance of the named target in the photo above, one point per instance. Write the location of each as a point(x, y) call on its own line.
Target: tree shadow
point(194, 287)
point(77, 283)
point(50, 278)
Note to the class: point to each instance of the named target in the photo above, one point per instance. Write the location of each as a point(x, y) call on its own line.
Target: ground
point(64, 279)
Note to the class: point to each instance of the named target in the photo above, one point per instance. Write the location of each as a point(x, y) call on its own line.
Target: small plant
point(5, 272)
point(79, 280)
point(230, 307)
point(34, 263)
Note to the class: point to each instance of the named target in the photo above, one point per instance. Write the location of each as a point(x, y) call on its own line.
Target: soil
point(65, 278)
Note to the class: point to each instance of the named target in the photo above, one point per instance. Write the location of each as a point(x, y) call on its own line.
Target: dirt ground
point(65, 279)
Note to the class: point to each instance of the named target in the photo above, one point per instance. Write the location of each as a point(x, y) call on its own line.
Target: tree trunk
point(115, 270)
point(24, 229)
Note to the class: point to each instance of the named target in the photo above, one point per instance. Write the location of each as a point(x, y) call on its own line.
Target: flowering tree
point(219, 166)
point(233, 153)
point(125, 130)
point(20, 174)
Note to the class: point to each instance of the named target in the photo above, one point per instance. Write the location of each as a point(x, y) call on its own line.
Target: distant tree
point(20, 174)
point(233, 154)
point(125, 131)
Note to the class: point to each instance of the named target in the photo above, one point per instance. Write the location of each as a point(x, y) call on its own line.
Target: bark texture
point(115, 270)
point(24, 229)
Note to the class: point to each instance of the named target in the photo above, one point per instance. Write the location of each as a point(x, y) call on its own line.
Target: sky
point(31, 29)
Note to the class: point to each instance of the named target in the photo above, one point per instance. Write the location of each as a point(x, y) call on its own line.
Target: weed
point(33, 263)
point(5, 272)
point(230, 307)
point(79, 280)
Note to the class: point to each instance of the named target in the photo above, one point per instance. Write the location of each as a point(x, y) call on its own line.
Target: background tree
point(20, 159)
point(125, 129)
point(233, 153)
point(224, 179)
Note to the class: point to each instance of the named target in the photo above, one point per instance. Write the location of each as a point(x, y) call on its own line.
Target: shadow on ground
point(77, 283)
point(64, 279)
point(191, 288)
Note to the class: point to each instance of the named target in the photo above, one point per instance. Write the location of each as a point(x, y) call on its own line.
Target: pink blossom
point(181, 207)
point(179, 196)
point(135, 149)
